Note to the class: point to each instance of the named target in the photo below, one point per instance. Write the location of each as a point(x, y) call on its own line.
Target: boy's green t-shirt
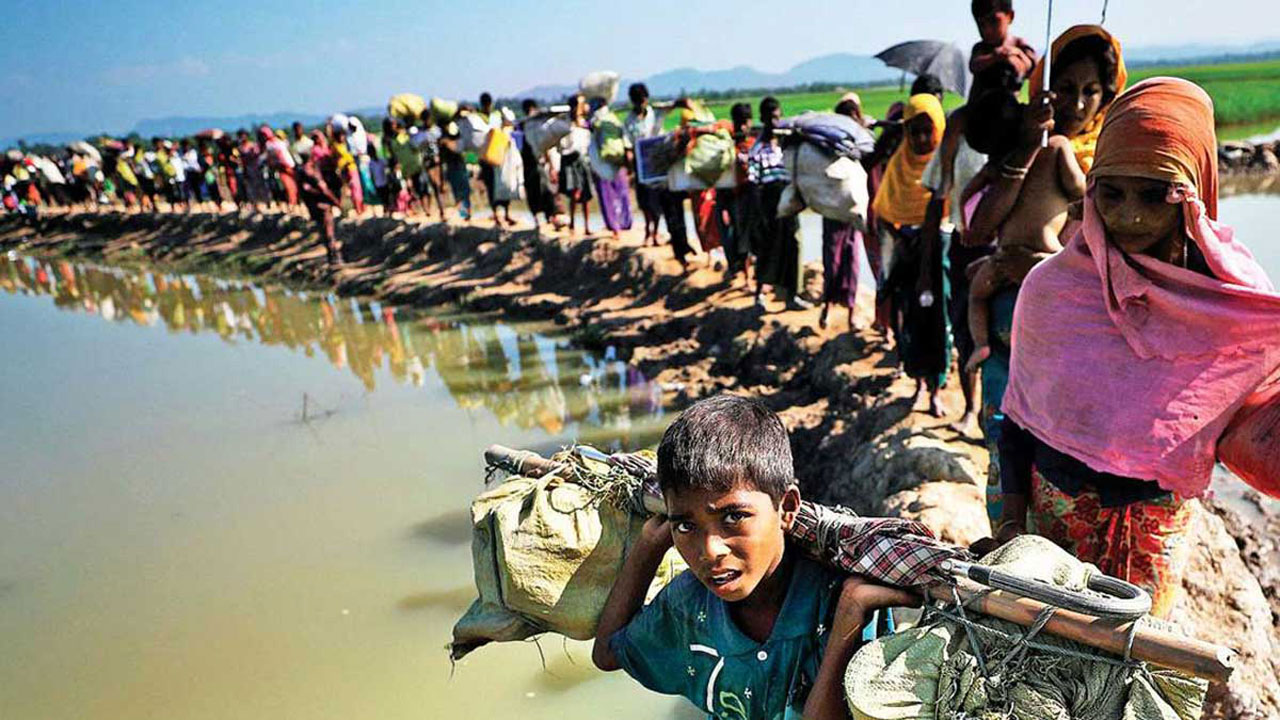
point(685, 643)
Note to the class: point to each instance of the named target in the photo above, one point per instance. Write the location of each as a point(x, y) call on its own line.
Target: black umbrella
point(943, 60)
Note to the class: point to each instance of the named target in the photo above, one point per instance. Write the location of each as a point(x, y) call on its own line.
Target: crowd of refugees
point(1068, 249)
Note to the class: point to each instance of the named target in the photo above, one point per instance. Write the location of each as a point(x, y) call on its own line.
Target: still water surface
point(178, 541)
point(224, 500)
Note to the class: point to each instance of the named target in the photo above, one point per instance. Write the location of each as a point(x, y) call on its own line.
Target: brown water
point(178, 541)
point(223, 500)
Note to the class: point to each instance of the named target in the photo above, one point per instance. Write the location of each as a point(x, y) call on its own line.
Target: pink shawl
point(1129, 364)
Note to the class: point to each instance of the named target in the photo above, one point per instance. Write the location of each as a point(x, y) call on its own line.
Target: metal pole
point(1048, 59)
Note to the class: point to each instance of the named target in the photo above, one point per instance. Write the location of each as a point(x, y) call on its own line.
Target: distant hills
point(839, 68)
point(836, 68)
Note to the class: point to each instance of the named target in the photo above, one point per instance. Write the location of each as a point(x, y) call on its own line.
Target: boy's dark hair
point(1091, 47)
point(992, 121)
point(726, 442)
point(848, 107)
point(740, 113)
point(637, 92)
point(926, 84)
point(983, 7)
point(528, 105)
point(767, 107)
point(486, 98)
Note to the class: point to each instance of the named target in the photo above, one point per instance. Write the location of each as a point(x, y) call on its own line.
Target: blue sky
point(88, 66)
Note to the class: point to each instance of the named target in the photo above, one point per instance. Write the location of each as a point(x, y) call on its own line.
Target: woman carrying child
point(1134, 348)
point(1026, 192)
point(1027, 206)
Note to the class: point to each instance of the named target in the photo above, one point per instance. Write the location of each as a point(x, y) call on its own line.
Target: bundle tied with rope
point(823, 153)
point(957, 663)
point(548, 543)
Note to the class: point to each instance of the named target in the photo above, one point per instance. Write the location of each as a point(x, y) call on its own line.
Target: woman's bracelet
point(1014, 172)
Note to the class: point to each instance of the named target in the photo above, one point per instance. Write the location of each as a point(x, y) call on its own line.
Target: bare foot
point(967, 424)
point(979, 356)
point(935, 406)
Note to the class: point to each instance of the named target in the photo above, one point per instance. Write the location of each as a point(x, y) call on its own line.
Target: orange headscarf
point(1086, 142)
point(901, 198)
point(1164, 133)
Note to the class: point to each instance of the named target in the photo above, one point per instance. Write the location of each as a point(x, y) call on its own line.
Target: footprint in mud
point(454, 599)
point(453, 527)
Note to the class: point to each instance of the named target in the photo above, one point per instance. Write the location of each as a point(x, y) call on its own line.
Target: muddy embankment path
point(857, 437)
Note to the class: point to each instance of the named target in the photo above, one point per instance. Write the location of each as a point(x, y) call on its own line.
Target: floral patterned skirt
point(1143, 542)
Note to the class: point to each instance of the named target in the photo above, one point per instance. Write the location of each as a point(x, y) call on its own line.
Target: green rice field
point(1246, 96)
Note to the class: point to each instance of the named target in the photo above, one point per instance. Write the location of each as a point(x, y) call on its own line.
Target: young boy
point(1000, 60)
point(1032, 187)
point(753, 630)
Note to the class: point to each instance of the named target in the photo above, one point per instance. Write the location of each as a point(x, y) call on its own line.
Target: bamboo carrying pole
point(1187, 655)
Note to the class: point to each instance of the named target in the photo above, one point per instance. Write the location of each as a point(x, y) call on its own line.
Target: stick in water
point(1048, 58)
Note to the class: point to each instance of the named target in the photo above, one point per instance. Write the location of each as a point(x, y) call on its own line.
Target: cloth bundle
point(602, 84)
point(834, 188)
point(1250, 447)
point(544, 132)
point(406, 106)
point(931, 671)
point(607, 135)
point(443, 110)
point(546, 550)
point(473, 130)
point(710, 155)
point(837, 135)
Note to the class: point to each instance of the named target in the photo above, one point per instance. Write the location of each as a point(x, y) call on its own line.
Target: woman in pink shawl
point(1134, 347)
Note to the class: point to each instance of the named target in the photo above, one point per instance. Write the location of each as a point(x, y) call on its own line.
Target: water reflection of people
point(524, 379)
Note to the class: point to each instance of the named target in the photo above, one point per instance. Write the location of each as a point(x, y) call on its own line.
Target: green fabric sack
point(930, 672)
point(710, 156)
point(545, 553)
point(607, 129)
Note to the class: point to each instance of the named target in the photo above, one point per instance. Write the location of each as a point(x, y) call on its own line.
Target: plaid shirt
point(889, 550)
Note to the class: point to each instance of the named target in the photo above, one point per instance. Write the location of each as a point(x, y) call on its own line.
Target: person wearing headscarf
point(917, 282)
point(317, 181)
point(280, 160)
point(1134, 348)
point(348, 174)
point(612, 182)
point(508, 177)
point(252, 170)
point(358, 144)
point(1080, 42)
point(1026, 192)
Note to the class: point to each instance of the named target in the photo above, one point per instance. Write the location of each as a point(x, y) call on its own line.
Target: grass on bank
point(1246, 96)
